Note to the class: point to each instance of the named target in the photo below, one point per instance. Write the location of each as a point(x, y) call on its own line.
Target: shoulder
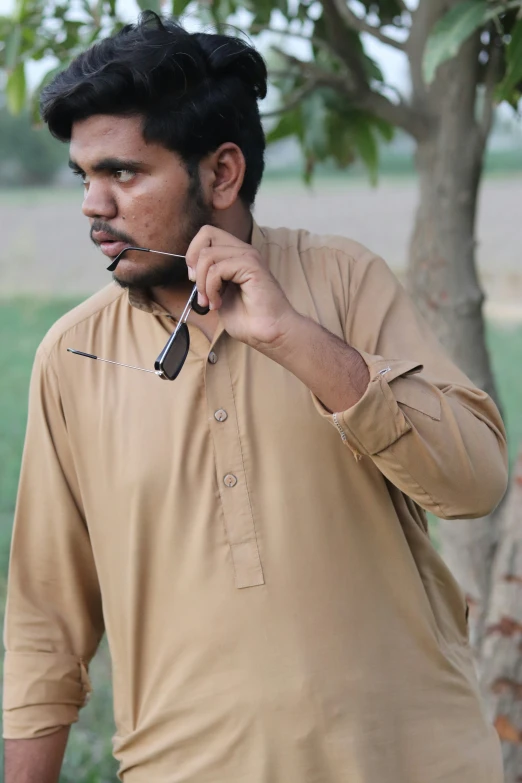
point(341, 260)
point(314, 245)
point(82, 317)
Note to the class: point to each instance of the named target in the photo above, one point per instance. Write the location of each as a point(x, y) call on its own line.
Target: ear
point(223, 172)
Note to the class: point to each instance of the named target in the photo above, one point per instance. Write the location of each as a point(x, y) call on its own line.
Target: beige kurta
point(274, 608)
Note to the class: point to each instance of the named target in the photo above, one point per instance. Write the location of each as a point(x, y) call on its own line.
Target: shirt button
point(212, 357)
point(221, 415)
point(230, 480)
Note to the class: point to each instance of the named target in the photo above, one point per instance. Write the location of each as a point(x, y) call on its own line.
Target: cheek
point(153, 212)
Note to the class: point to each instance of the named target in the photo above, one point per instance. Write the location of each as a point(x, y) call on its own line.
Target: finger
point(210, 256)
point(215, 285)
point(206, 259)
point(210, 236)
point(230, 270)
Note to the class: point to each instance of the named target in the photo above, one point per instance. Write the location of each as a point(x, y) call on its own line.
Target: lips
point(112, 249)
point(108, 244)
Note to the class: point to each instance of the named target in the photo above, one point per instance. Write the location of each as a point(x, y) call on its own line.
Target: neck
point(237, 220)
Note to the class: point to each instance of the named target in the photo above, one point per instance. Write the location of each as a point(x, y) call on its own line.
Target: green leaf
point(341, 141)
point(367, 147)
point(314, 114)
point(45, 80)
point(262, 10)
point(372, 69)
point(15, 89)
point(28, 37)
point(290, 124)
point(19, 10)
point(453, 29)
point(514, 64)
point(12, 47)
point(179, 6)
point(150, 5)
point(309, 167)
point(386, 130)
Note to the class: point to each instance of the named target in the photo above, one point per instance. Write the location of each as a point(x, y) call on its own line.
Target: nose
point(98, 202)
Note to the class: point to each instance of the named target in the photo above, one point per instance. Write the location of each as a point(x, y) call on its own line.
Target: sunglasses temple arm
point(188, 307)
point(109, 361)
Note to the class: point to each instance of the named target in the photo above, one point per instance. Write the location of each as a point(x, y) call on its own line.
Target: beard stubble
point(173, 271)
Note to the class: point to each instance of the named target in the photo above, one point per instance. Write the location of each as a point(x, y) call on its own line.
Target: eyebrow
point(109, 165)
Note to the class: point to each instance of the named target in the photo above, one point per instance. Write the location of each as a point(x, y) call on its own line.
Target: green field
point(22, 325)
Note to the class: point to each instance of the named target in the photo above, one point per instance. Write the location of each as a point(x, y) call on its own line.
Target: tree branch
point(361, 26)
point(320, 43)
point(424, 17)
point(294, 100)
point(398, 114)
point(322, 77)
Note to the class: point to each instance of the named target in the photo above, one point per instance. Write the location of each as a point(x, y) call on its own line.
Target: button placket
point(233, 487)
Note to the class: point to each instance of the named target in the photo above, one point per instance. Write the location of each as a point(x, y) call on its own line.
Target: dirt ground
point(46, 250)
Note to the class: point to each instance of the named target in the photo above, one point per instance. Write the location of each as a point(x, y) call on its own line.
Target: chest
point(132, 432)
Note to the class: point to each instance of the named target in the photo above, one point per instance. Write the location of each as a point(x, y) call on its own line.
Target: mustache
point(100, 225)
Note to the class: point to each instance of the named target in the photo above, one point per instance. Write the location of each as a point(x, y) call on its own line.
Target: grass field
point(22, 325)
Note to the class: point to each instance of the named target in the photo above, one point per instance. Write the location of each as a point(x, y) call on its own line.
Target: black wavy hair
point(195, 91)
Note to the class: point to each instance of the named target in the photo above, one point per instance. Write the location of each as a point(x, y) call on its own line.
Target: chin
point(134, 275)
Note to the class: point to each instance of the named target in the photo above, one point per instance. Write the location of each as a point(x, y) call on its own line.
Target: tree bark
point(500, 664)
point(485, 555)
point(444, 283)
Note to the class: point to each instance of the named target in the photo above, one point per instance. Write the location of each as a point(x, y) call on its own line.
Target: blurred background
point(390, 122)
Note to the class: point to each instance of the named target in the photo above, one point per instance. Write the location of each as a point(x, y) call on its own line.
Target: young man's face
point(136, 194)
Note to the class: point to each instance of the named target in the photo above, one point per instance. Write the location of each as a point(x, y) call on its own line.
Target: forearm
point(37, 760)
point(331, 369)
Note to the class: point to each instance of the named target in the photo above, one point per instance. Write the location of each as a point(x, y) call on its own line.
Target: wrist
point(290, 339)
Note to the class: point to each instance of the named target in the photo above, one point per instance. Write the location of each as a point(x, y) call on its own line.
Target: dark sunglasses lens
point(174, 357)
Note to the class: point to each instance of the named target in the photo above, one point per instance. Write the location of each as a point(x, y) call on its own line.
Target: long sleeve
point(54, 618)
point(427, 428)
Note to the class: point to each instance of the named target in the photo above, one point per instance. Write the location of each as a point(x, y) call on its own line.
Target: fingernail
point(191, 274)
point(200, 300)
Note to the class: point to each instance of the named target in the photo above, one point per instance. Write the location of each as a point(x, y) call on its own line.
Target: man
point(251, 536)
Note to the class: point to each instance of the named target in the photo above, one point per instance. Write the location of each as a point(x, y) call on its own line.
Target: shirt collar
point(139, 298)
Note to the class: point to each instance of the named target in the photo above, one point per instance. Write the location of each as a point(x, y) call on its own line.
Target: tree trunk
point(501, 658)
point(485, 557)
point(444, 283)
point(442, 272)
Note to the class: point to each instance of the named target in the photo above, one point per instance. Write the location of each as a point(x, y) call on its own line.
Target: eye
point(124, 175)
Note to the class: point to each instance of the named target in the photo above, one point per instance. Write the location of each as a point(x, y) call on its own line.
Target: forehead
point(103, 136)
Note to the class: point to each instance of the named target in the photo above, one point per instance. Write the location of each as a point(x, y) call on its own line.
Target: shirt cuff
point(42, 693)
point(376, 421)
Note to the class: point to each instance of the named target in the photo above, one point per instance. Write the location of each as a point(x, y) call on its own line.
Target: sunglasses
point(170, 361)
